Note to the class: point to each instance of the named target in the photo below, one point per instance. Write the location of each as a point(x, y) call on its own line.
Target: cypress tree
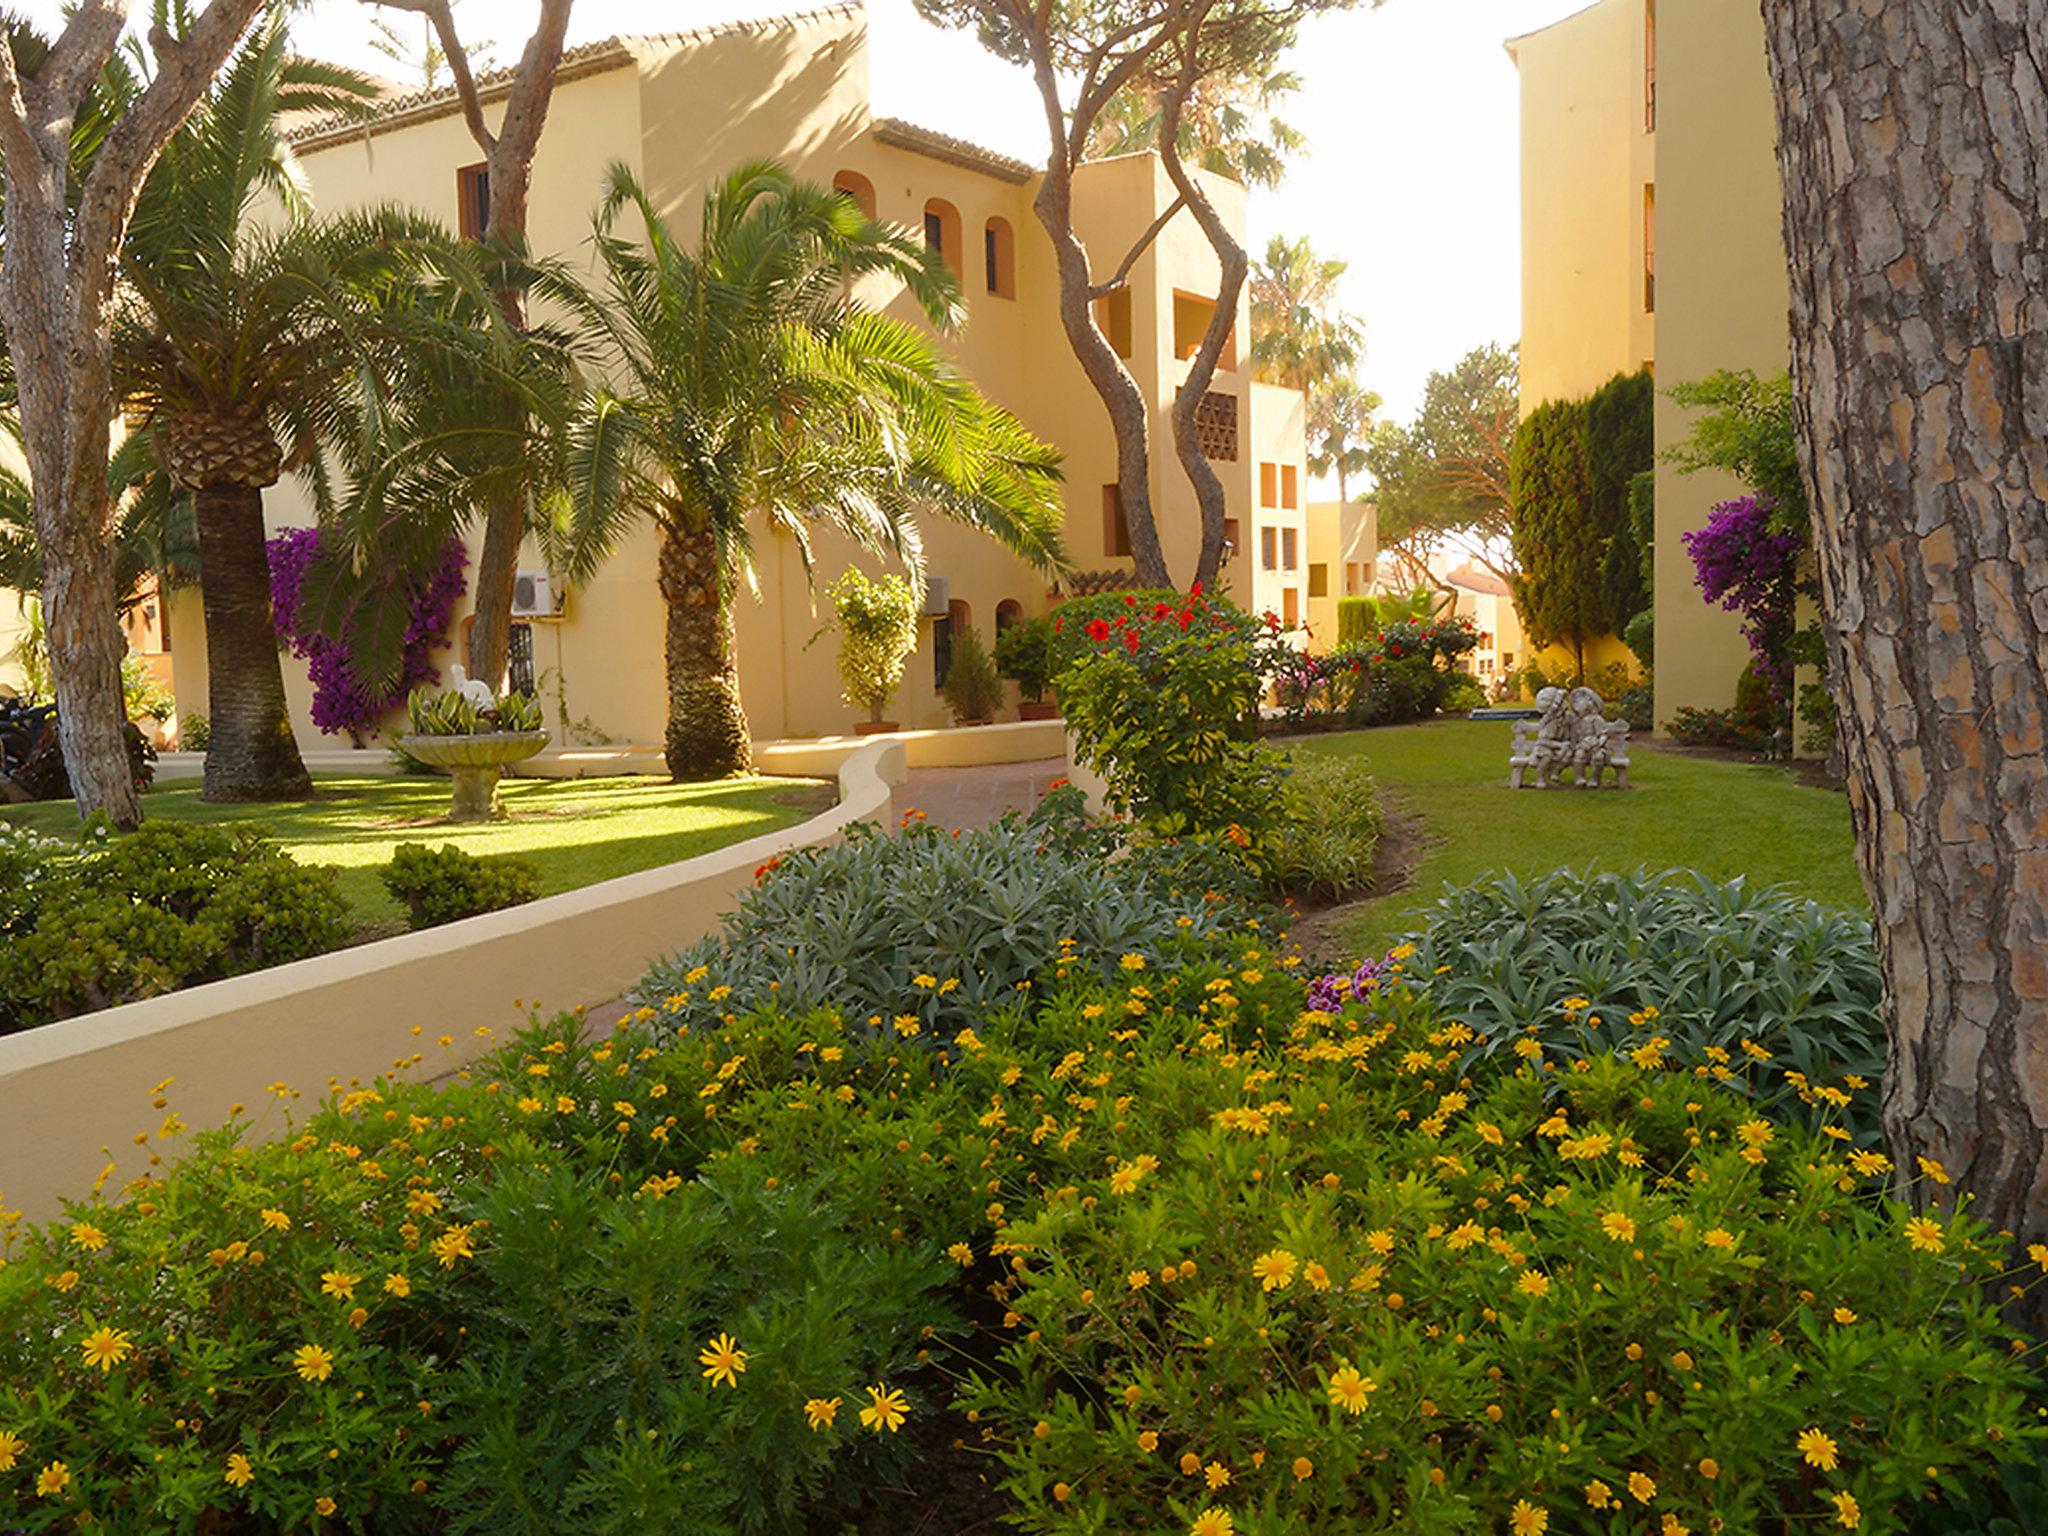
point(1621, 442)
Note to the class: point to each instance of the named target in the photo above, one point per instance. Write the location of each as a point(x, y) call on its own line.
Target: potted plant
point(972, 686)
point(1024, 655)
point(877, 621)
point(475, 738)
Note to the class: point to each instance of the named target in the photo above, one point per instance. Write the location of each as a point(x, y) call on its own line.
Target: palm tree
point(1299, 335)
point(1340, 420)
point(748, 384)
point(233, 345)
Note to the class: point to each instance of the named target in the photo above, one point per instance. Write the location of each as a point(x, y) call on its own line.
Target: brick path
point(975, 797)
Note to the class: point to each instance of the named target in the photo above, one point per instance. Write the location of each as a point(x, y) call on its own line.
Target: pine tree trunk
point(250, 753)
point(707, 726)
point(1913, 147)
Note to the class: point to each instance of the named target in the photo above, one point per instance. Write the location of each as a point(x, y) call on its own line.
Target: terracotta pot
point(959, 722)
point(875, 727)
point(1038, 709)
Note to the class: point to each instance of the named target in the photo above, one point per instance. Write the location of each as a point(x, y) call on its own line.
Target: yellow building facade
point(1343, 561)
point(1650, 234)
point(681, 110)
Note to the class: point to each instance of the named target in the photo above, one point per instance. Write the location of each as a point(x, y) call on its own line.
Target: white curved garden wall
point(75, 1096)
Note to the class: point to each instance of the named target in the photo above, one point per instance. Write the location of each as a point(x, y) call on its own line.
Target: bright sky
point(1410, 111)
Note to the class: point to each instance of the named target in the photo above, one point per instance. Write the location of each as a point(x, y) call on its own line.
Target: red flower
point(1161, 610)
point(1131, 641)
point(1058, 625)
point(1187, 616)
point(1195, 590)
point(1130, 601)
point(1098, 629)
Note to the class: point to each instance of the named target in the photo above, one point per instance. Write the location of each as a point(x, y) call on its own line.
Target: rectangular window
point(1290, 486)
point(1216, 426)
point(473, 201)
point(1351, 578)
point(1318, 579)
point(1113, 319)
point(1269, 485)
point(1116, 529)
point(942, 650)
point(934, 231)
point(1269, 545)
point(1650, 247)
point(1290, 607)
point(1290, 551)
point(1230, 543)
point(1191, 315)
point(519, 662)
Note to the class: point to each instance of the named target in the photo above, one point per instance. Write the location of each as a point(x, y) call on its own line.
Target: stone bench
point(1522, 757)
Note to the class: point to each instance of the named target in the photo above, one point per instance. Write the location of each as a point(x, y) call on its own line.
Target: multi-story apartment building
point(1343, 560)
point(683, 108)
point(1650, 234)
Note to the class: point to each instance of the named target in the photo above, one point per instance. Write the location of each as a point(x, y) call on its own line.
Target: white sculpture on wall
point(1569, 733)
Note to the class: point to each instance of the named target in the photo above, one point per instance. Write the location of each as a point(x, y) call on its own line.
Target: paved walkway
point(976, 797)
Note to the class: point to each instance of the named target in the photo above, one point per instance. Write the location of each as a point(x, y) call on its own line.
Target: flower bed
point(1180, 1239)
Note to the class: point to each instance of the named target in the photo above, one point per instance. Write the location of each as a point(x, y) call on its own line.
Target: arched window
point(999, 258)
point(942, 231)
point(1009, 612)
point(857, 187)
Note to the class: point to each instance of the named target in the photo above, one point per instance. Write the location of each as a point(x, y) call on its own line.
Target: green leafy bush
point(1301, 1277)
point(450, 714)
point(1716, 971)
point(123, 918)
point(1161, 706)
point(1327, 855)
point(877, 621)
point(1081, 624)
point(1358, 620)
point(921, 933)
point(453, 1311)
point(442, 885)
point(1462, 692)
point(195, 733)
point(972, 687)
point(1024, 654)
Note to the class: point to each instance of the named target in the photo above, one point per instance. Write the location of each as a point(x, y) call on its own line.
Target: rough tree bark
point(1235, 264)
point(508, 167)
point(56, 286)
point(1913, 148)
point(708, 736)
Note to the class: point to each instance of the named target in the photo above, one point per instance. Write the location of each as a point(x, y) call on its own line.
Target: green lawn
point(579, 831)
point(1721, 818)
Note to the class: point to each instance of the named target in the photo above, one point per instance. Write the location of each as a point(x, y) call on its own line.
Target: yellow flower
point(1932, 1169)
point(52, 1480)
point(1351, 1391)
point(1844, 1316)
point(1848, 1512)
point(1533, 1282)
point(821, 1412)
point(275, 1220)
point(1304, 1469)
point(239, 1473)
point(107, 1348)
point(2038, 1252)
point(1148, 1442)
point(396, 1284)
point(312, 1362)
point(1275, 1270)
point(1380, 1241)
point(1190, 1464)
point(1139, 1279)
point(11, 1446)
point(1132, 962)
point(1642, 1486)
point(1618, 1226)
point(452, 1245)
point(723, 1360)
point(886, 1409)
point(1869, 1164)
point(1718, 1237)
point(1317, 1277)
point(323, 1505)
point(1213, 1522)
point(339, 1284)
point(1599, 1495)
point(1924, 1233)
point(1527, 1520)
point(89, 1237)
point(1818, 1449)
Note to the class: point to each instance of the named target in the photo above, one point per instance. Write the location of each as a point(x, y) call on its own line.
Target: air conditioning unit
point(535, 596)
point(937, 595)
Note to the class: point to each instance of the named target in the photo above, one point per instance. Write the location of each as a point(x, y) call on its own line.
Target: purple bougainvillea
point(342, 703)
point(1327, 994)
point(1746, 568)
